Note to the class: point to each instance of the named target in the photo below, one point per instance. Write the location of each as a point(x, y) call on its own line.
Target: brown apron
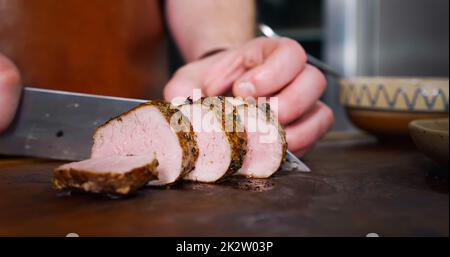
point(96, 46)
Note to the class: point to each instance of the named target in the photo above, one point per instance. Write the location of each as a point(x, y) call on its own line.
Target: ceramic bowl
point(384, 106)
point(431, 137)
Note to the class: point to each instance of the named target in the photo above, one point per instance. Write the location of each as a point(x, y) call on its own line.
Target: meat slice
point(154, 129)
point(266, 140)
point(113, 175)
point(221, 149)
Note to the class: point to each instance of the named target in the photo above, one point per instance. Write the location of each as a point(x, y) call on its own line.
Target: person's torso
point(97, 46)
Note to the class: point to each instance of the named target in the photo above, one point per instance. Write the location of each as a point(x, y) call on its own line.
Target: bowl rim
point(421, 125)
point(403, 79)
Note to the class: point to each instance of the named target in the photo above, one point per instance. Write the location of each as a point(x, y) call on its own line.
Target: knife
point(59, 125)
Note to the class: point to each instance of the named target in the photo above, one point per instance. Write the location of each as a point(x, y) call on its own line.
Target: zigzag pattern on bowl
point(417, 99)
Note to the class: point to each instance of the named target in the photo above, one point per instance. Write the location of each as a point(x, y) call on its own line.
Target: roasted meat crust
point(105, 182)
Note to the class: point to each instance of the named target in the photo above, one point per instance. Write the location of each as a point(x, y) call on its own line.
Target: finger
point(299, 96)
point(10, 89)
point(221, 74)
point(303, 152)
point(213, 75)
point(283, 60)
point(182, 84)
point(303, 133)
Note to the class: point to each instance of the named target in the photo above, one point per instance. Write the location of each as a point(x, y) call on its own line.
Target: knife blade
point(59, 125)
point(292, 163)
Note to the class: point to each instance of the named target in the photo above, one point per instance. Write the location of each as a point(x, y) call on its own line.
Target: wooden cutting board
point(357, 186)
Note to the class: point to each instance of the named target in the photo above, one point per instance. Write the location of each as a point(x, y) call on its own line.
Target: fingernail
point(246, 89)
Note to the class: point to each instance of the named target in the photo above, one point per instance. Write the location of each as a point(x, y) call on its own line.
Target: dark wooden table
point(357, 186)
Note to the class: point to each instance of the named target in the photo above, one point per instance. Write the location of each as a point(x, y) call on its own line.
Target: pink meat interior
point(214, 150)
point(111, 164)
point(264, 148)
point(144, 131)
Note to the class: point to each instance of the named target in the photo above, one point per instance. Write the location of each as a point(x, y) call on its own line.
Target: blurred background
point(362, 38)
point(121, 46)
point(366, 37)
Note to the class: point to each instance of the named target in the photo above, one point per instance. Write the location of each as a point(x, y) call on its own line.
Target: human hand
point(10, 89)
point(264, 67)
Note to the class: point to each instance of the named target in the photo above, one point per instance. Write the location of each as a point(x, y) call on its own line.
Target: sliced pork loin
point(221, 148)
point(266, 140)
point(113, 175)
point(154, 128)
